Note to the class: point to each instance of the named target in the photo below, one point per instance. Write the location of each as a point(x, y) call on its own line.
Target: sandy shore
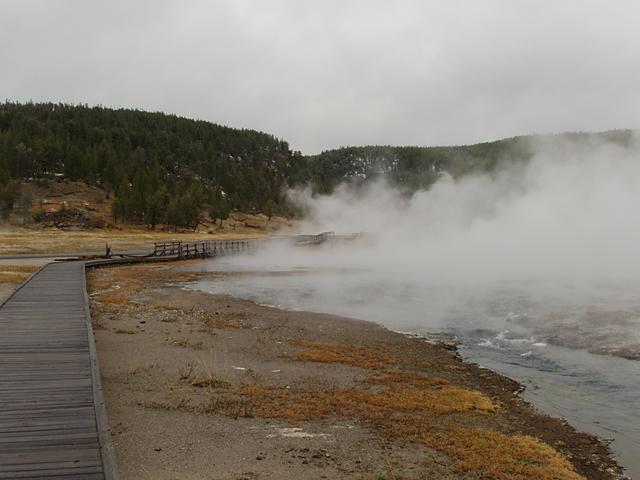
point(211, 387)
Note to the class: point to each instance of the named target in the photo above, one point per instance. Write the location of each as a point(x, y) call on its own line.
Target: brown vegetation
point(14, 274)
point(355, 355)
point(404, 404)
point(501, 457)
point(84, 213)
point(105, 298)
point(240, 360)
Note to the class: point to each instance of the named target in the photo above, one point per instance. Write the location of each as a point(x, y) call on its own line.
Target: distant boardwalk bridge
point(204, 248)
point(53, 421)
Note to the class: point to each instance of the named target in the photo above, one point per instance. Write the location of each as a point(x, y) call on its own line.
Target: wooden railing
point(217, 248)
point(313, 239)
point(204, 248)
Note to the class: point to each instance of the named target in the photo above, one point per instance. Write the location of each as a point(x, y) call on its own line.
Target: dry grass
point(354, 355)
point(442, 400)
point(221, 324)
point(412, 406)
point(19, 268)
point(133, 278)
point(211, 320)
point(501, 457)
point(18, 240)
point(200, 379)
point(106, 298)
point(13, 278)
point(413, 414)
point(166, 308)
point(391, 391)
point(398, 377)
point(366, 405)
point(14, 274)
point(206, 380)
point(219, 404)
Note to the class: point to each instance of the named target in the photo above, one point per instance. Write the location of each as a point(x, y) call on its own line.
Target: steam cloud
point(572, 211)
point(553, 240)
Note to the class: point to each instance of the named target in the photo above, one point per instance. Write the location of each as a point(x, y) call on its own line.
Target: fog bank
point(572, 211)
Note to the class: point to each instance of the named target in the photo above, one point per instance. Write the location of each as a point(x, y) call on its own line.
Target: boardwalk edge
point(107, 451)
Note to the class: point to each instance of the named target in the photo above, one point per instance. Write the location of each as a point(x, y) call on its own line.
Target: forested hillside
point(164, 169)
point(413, 168)
point(160, 168)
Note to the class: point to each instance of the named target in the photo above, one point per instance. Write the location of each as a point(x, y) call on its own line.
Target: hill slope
point(153, 162)
point(418, 167)
point(164, 169)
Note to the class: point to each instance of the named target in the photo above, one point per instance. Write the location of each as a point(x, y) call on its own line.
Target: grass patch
point(16, 273)
point(442, 400)
point(398, 377)
point(10, 277)
point(220, 324)
point(412, 406)
point(213, 320)
point(410, 413)
point(200, 379)
point(223, 404)
point(19, 268)
point(501, 457)
point(354, 355)
point(106, 298)
point(165, 308)
point(366, 405)
point(207, 380)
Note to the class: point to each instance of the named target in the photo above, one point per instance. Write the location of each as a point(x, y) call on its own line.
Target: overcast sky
point(327, 73)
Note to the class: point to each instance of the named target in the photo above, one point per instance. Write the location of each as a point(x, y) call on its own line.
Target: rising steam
point(572, 211)
point(552, 243)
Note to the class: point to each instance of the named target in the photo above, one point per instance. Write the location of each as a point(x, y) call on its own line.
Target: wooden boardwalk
point(52, 416)
point(53, 423)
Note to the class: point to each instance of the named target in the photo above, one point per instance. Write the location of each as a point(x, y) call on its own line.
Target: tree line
point(160, 168)
point(164, 169)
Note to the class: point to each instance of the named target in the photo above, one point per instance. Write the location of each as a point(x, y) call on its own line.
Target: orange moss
point(105, 298)
point(366, 405)
point(448, 399)
point(398, 377)
point(355, 355)
point(410, 413)
point(501, 457)
point(221, 324)
point(165, 308)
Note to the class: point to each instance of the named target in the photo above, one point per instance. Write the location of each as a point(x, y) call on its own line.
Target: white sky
point(327, 73)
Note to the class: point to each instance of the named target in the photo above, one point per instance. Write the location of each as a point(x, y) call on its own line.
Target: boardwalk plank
point(49, 427)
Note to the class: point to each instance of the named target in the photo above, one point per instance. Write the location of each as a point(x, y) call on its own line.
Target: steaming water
point(504, 327)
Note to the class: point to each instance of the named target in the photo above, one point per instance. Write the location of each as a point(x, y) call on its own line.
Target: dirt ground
point(35, 239)
point(211, 387)
point(23, 236)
